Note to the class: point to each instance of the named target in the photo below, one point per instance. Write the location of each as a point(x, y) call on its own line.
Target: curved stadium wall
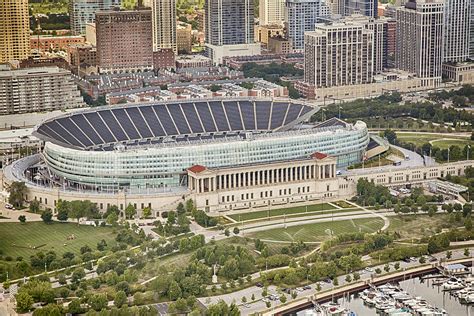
point(165, 165)
point(152, 145)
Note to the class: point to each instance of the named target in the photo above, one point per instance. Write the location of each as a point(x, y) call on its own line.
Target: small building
point(446, 187)
point(164, 59)
point(279, 45)
point(184, 39)
point(46, 43)
point(459, 72)
point(456, 268)
point(263, 33)
point(193, 61)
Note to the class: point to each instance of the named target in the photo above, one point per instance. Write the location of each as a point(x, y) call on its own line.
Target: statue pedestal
point(214, 279)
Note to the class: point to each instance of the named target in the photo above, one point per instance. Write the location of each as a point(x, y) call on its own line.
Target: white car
point(9, 206)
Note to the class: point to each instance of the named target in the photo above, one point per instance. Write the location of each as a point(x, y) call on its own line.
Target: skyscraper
point(229, 29)
point(164, 24)
point(457, 30)
point(14, 30)
point(300, 17)
point(471, 31)
point(124, 40)
point(339, 54)
point(82, 12)
point(365, 7)
point(419, 48)
point(271, 12)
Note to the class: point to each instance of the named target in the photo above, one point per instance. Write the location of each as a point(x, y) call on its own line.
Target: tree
point(47, 216)
point(244, 299)
point(120, 299)
point(174, 291)
point(17, 195)
point(34, 206)
point(466, 252)
point(62, 215)
point(146, 212)
point(236, 230)
point(422, 260)
point(356, 276)
point(98, 301)
point(294, 294)
point(283, 298)
point(466, 209)
point(75, 307)
point(348, 278)
point(171, 217)
point(189, 206)
point(180, 208)
point(457, 207)
point(468, 223)
point(397, 265)
point(112, 219)
point(449, 254)
point(22, 219)
point(24, 301)
point(130, 211)
point(78, 275)
point(391, 136)
point(227, 232)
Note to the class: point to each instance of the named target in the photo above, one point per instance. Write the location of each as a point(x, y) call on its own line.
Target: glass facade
point(165, 165)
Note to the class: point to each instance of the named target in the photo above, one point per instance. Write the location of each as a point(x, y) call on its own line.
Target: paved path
point(12, 215)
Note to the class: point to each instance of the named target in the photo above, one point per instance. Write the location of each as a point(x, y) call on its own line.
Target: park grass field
point(281, 211)
point(319, 231)
point(16, 238)
point(442, 141)
point(420, 225)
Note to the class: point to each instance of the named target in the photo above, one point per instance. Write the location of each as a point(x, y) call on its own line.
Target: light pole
point(467, 151)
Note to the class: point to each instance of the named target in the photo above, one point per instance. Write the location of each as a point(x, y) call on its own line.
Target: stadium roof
point(154, 123)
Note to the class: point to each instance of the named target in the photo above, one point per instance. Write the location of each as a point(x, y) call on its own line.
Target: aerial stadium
point(152, 145)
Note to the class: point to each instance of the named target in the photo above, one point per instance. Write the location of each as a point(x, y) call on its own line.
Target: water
point(431, 293)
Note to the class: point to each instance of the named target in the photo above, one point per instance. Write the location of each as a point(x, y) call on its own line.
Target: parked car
point(9, 206)
point(306, 287)
point(259, 284)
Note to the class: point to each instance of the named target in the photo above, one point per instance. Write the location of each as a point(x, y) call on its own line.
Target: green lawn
point(441, 141)
point(319, 231)
point(281, 211)
point(16, 238)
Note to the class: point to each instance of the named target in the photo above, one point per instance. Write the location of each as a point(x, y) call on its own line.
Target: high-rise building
point(164, 24)
point(37, 90)
point(471, 37)
point(14, 30)
point(82, 12)
point(271, 12)
point(230, 29)
point(300, 17)
point(339, 54)
point(419, 48)
point(365, 7)
point(184, 38)
point(124, 40)
point(382, 36)
point(456, 30)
